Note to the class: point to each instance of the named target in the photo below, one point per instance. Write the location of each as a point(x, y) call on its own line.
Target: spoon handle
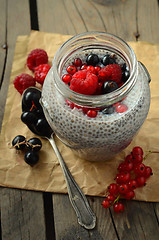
point(85, 216)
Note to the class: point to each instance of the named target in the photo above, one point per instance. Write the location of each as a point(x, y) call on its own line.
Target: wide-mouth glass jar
point(101, 137)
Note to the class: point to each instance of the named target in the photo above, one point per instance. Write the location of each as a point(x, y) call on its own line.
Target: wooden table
point(36, 215)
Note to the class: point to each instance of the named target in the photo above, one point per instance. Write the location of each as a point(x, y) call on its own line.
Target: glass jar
point(101, 137)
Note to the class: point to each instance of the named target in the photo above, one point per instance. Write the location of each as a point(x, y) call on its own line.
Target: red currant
point(92, 113)
point(141, 181)
point(106, 203)
point(139, 169)
point(148, 172)
point(122, 167)
point(132, 184)
point(78, 62)
point(137, 159)
point(66, 78)
point(123, 188)
point(84, 66)
point(71, 69)
point(123, 177)
point(111, 198)
point(91, 69)
point(137, 151)
point(113, 189)
point(129, 158)
point(97, 69)
point(129, 195)
point(118, 207)
point(121, 108)
point(129, 166)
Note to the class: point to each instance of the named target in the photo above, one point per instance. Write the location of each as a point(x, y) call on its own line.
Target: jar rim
point(94, 100)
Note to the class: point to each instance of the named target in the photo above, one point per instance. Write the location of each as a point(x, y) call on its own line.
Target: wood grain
point(3, 46)
point(22, 215)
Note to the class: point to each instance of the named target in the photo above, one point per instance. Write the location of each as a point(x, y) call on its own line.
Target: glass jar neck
point(94, 40)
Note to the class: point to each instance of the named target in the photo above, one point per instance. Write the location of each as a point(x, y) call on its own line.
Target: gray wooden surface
point(29, 215)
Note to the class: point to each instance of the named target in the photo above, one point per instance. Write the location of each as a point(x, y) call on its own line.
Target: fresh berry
point(123, 188)
point(106, 203)
point(110, 72)
point(19, 142)
point(30, 100)
point(137, 151)
point(92, 59)
point(137, 159)
point(113, 189)
point(108, 110)
point(129, 158)
point(77, 62)
point(118, 207)
point(36, 57)
point(28, 118)
point(23, 81)
point(66, 78)
point(92, 113)
point(139, 169)
point(31, 157)
point(91, 69)
point(141, 181)
point(122, 177)
point(121, 108)
point(122, 167)
point(40, 72)
point(43, 128)
point(71, 69)
point(34, 144)
point(132, 184)
point(97, 69)
point(84, 66)
point(148, 172)
point(84, 82)
point(108, 86)
point(107, 59)
point(129, 195)
point(129, 166)
point(125, 76)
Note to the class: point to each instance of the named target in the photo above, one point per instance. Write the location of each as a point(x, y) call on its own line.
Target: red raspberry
point(23, 81)
point(36, 57)
point(40, 72)
point(84, 82)
point(110, 72)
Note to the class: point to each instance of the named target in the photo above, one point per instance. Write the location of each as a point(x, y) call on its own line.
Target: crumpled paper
point(92, 177)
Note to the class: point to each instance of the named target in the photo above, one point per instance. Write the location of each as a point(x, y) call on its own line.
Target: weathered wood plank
point(54, 16)
point(22, 212)
point(69, 228)
point(137, 222)
point(148, 20)
point(3, 37)
point(22, 215)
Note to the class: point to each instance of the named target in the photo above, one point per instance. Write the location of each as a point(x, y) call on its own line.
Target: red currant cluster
point(132, 173)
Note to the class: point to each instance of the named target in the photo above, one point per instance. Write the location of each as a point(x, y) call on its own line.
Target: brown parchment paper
point(92, 177)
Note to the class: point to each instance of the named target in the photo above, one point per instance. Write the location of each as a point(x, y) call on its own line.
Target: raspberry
point(41, 72)
point(36, 57)
point(110, 72)
point(84, 82)
point(23, 81)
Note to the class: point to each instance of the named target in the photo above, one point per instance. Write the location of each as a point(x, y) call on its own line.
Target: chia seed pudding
point(108, 133)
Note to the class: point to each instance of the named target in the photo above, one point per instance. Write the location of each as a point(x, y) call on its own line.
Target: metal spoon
point(85, 215)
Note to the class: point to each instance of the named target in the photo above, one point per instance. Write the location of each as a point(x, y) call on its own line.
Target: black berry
point(108, 87)
point(34, 144)
point(19, 142)
point(107, 59)
point(43, 128)
point(30, 101)
point(125, 75)
point(108, 110)
point(31, 157)
point(28, 118)
point(92, 59)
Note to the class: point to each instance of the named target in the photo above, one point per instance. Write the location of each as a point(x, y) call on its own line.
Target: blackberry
point(34, 144)
point(31, 157)
point(107, 59)
point(108, 110)
point(19, 142)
